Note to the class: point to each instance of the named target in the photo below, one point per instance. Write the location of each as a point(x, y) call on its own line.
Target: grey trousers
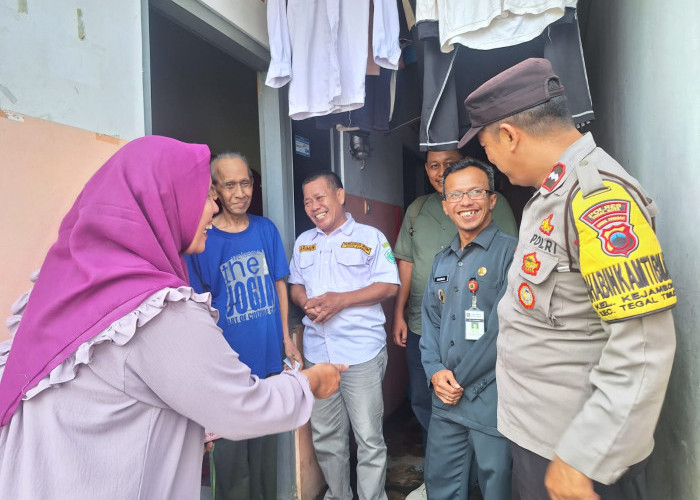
point(358, 405)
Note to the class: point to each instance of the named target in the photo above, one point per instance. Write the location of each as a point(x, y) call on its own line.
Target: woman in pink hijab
point(117, 365)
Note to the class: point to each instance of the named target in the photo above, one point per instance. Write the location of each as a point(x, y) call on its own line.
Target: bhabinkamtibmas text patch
point(620, 256)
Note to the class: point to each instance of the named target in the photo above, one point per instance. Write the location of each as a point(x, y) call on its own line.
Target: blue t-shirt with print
point(240, 271)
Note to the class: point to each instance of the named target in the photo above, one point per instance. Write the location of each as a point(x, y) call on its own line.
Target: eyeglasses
point(244, 184)
point(474, 194)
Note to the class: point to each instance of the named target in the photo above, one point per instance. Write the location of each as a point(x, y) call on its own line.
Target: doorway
point(201, 94)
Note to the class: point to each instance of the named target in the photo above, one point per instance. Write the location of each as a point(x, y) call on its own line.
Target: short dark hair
point(331, 178)
point(466, 163)
point(230, 155)
point(541, 119)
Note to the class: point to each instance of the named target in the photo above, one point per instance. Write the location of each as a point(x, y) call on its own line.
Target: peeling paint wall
point(643, 65)
point(43, 167)
point(75, 63)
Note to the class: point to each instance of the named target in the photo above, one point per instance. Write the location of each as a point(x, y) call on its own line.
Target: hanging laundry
point(439, 125)
point(320, 48)
point(449, 77)
point(376, 112)
point(563, 49)
point(490, 24)
point(407, 20)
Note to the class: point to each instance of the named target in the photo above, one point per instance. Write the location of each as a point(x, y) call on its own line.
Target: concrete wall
point(643, 65)
point(382, 176)
point(70, 83)
point(74, 62)
point(250, 17)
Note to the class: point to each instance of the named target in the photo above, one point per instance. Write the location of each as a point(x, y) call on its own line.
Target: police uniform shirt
point(570, 382)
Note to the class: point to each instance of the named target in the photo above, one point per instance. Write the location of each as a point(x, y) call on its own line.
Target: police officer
point(586, 339)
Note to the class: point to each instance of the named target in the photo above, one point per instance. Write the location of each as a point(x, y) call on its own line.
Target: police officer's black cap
point(523, 86)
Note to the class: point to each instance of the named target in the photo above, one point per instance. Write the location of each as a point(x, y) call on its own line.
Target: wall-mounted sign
point(302, 146)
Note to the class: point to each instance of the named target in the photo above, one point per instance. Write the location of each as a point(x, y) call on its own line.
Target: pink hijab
point(122, 241)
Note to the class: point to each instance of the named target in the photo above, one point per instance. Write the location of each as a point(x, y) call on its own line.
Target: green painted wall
point(643, 66)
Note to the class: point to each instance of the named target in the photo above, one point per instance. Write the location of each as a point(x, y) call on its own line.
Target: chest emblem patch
point(482, 271)
point(525, 296)
point(554, 177)
point(530, 263)
point(354, 244)
point(611, 220)
point(307, 248)
point(546, 227)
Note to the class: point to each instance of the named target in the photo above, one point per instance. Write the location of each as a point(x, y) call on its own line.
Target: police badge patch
point(525, 296)
point(555, 175)
point(546, 226)
point(530, 264)
point(611, 220)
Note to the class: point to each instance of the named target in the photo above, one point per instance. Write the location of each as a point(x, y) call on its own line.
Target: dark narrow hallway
point(402, 434)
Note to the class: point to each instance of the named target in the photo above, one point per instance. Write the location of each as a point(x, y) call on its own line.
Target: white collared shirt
point(320, 48)
point(490, 24)
point(351, 257)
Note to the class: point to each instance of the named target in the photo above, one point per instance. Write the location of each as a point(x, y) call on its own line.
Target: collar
point(568, 159)
point(483, 239)
point(346, 228)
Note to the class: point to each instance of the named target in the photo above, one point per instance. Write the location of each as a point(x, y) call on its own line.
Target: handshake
point(324, 378)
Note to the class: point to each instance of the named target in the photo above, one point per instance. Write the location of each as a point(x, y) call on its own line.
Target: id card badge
point(473, 317)
point(473, 323)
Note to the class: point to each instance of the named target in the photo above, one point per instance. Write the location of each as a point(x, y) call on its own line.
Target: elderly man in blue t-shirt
point(244, 266)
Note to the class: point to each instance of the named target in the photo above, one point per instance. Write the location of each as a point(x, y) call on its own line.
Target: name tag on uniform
point(473, 323)
point(440, 279)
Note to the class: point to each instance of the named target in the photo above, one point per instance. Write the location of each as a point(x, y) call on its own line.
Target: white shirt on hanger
point(490, 24)
point(320, 48)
